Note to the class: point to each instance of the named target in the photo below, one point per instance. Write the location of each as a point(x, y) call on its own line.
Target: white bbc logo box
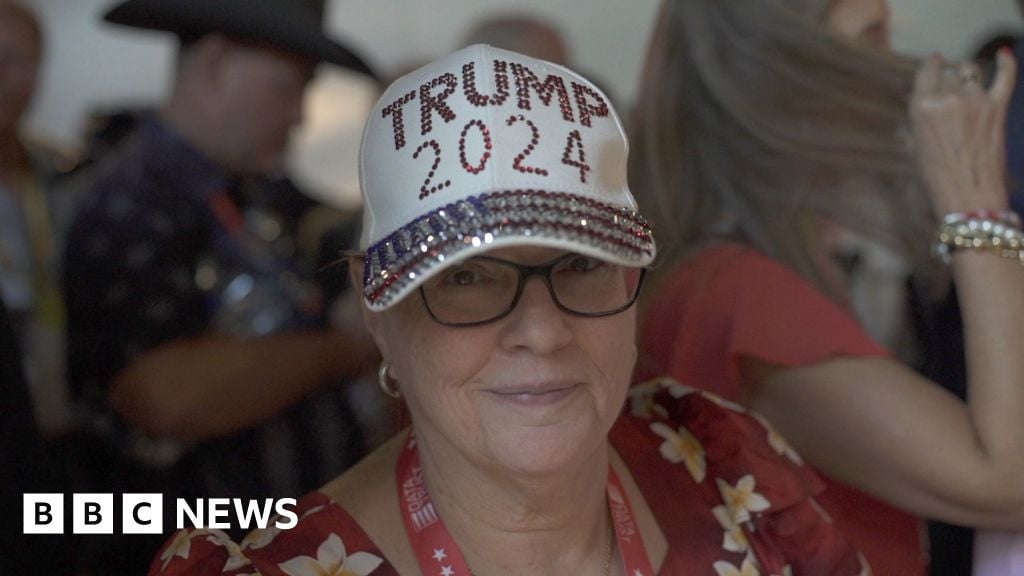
point(142, 514)
point(43, 514)
point(92, 514)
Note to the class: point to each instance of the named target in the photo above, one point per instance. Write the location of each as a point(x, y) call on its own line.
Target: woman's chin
point(537, 450)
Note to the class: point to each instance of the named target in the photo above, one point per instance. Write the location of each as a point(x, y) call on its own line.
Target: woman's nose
point(537, 323)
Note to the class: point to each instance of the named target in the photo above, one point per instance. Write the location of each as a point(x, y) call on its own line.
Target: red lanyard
point(438, 554)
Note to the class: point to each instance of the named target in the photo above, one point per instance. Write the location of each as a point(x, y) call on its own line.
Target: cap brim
point(414, 253)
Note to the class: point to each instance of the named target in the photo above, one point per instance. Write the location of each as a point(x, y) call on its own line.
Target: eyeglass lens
point(483, 289)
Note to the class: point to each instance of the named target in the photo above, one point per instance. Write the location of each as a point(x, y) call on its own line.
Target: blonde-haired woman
point(762, 127)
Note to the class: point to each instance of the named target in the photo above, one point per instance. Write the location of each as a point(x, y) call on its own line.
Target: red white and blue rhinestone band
point(427, 242)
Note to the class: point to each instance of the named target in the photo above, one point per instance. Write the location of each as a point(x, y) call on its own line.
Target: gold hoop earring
point(386, 382)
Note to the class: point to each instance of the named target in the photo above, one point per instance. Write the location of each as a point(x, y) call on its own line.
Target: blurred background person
point(200, 348)
point(941, 346)
point(32, 219)
point(530, 35)
point(1002, 553)
point(766, 130)
point(521, 33)
point(524, 33)
point(34, 406)
point(27, 465)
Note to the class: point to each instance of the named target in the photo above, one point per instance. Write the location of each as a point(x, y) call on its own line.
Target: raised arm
point(875, 423)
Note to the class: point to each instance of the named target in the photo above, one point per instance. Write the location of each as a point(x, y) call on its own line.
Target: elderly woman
point(764, 126)
point(502, 260)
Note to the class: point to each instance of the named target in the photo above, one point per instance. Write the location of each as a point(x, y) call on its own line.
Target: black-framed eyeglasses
point(484, 289)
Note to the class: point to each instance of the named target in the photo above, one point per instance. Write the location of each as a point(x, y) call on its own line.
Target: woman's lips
point(536, 395)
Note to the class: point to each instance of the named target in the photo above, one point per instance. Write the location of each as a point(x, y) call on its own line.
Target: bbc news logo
point(144, 513)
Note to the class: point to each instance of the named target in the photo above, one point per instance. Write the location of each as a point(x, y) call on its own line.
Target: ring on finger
point(969, 74)
point(970, 77)
point(965, 74)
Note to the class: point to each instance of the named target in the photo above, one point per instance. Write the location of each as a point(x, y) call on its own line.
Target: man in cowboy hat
point(198, 344)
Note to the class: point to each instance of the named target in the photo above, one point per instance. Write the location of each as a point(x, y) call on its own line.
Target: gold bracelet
point(980, 234)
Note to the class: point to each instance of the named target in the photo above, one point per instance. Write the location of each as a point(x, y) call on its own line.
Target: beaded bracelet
point(1008, 217)
point(998, 235)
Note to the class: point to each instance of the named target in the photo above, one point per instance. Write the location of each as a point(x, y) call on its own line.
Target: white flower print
point(641, 401)
point(181, 546)
point(332, 560)
point(681, 446)
point(675, 389)
point(748, 568)
point(735, 539)
point(236, 558)
point(741, 499)
point(641, 397)
point(262, 537)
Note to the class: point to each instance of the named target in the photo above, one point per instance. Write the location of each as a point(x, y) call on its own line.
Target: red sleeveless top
point(730, 301)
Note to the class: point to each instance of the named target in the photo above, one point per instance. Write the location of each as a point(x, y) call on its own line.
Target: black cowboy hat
point(292, 25)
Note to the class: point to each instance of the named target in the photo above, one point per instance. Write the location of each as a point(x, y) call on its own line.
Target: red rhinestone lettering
point(427, 189)
point(576, 141)
point(500, 85)
point(526, 79)
point(487, 147)
point(395, 111)
point(430, 102)
point(534, 140)
point(596, 106)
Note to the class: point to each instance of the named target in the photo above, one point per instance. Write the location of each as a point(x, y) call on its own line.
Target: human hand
point(959, 133)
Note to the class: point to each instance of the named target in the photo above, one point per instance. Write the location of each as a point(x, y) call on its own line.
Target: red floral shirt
point(730, 496)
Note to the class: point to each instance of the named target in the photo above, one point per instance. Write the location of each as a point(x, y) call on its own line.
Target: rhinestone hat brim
point(399, 263)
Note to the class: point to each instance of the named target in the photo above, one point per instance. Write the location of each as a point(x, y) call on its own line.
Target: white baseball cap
point(488, 148)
